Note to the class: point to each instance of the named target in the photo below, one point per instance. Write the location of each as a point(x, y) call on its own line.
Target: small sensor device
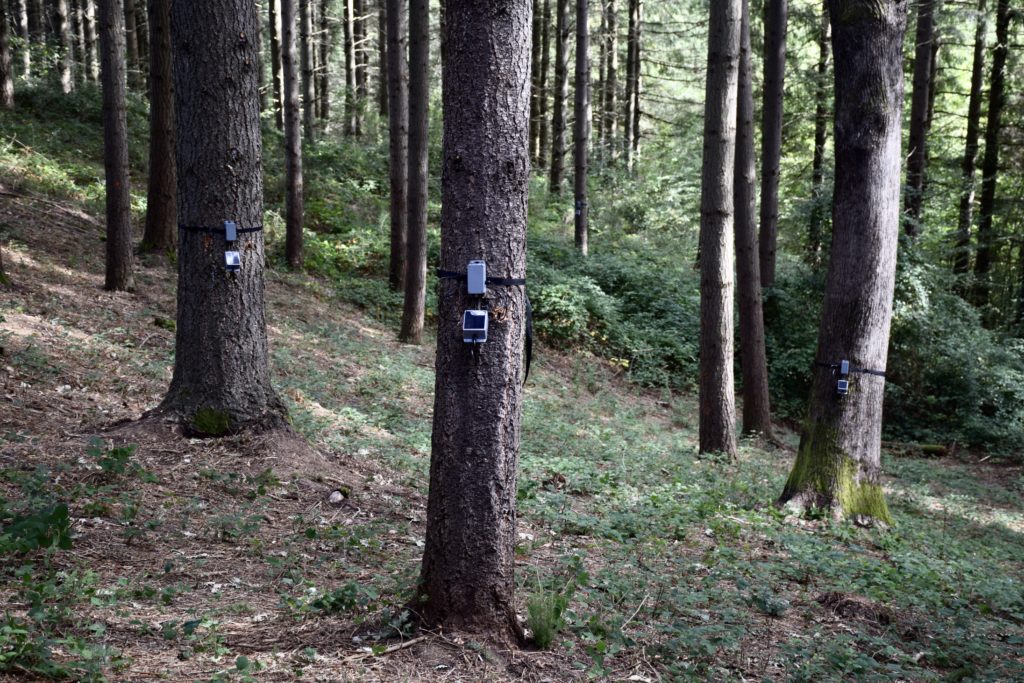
point(476, 278)
point(232, 260)
point(474, 326)
point(843, 387)
point(844, 367)
point(230, 231)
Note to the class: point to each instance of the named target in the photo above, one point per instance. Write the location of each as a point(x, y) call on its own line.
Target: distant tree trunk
point(21, 13)
point(142, 34)
point(260, 75)
point(990, 163)
point(382, 59)
point(351, 108)
point(398, 137)
point(115, 149)
point(535, 85)
point(917, 158)
point(611, 77)
point(325, 51)
point(637, 69)
point(36, 20)
point(92, 62)
point(558, 119)
point(415, 279)
point(221, 380)
point(132, 44)
point(581, 128)
point(467, 580)
point(629, 113)
point(717, 401)
point(545, 66)
point(78, 34)
point(294, 206)
point(776, 20)
point(838, 466)
point(359, 39)
point(602, 50)
point(160, 235)
point(821, 91)
point(66, 56)
point(754, 365)
point(306, 52)
point(962, 251)
point(6, 74)
point(275, 64)
point(4, 278)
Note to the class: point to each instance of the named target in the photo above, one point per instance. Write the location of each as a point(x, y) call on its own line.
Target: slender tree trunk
point(92, 61)
point(467, 580)
point(535, 85)
point(221, 380)
point(6, 67)
point(4, 278)
point(821, 90)
point(542, 108)
point(398, 137)
point(306, 52)
point(629, 112)
point(990, 164)
point(838, 465)
point(160, 235)
point(36, 21)
point(382, 59)
point(717, 402)
point(962, 252)
point(142, 35)
point(275, 63)
point(78, 33)
point(351, 110)
point(325, 51)
point(918, 151)
point(115, 149)
point(415, 279)
point(611, 77)
point(602, 50)
point(776, 21)
point(26, 41)
point(66, 53)
point(581, 129)
point(754, 365)
point(558, 119)
point(260, 68)
point(294, 207)
point(132, 44)
point(359, 40)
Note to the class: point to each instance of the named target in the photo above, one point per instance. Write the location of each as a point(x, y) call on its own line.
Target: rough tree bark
point(917, 156)
point(535, 85)
point(132, 44)
point(821, 90)
point(382, 59)
point(990, 163)
point(294, 207)
point(21, 12)
point(92, 62)
point(467, 578)
point(415, 278)
point(66, 56)
point(352, 124)
point(545, 66)
point(398, 136)
point(628, 105)
point(221, 380)
point(306, 55)
point(753, 363)
point(717, 400)
point(160, 234)
point(6, 75)
point(115, 148)
point(962, 252)
point(558, 115)
point(275, 63)
point(610, 78)
point(325, 51)
point(776, 16)
point(838, 467)
point(581, 126)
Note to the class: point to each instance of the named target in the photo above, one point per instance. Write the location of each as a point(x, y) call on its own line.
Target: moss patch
point(211, 422)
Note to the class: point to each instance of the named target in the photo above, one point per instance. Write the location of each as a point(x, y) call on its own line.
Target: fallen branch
point(386, 651)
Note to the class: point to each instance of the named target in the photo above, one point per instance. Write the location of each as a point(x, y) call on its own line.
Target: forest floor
point(262, 558)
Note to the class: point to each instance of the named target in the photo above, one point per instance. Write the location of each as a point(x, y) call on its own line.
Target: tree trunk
point(325, 51)
point(776, 20)
point(351, 110)
point(398, 137)
point(115, 149)
point(92, 61)
point(415, 278)
point(4, 278)
point(36, 21)
point(294, 206)
point(558, 117)
point(161, 206)
point(581, 127)
point(78, 35)
point(26, 41)
point(382, 59)
point(260, 68)
point(838, 467)
point(6, 75)
point(962, 252)
point(629, 113)
point(990, 164)
point(754, 365)
point(359, 41)
point(221, 379)
point(821, 90)
point(275, 63)
point(610, 78)
point(132, 44)
point(717, 402)
point(917, 157)
point(467, 580)
point(142, 34)
point(535, 85)
point(602, 49)
point(306, 52)
point(66, 54)
point(542, 105)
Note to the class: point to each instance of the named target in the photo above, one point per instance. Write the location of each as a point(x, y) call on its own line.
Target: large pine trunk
point(275, 63)
point(160, 234)
point(115, 148)
point(467, 576)
point(581, 126)
point(221, 380)
point(558, 115)
point(306, 56)
point(838, 465)
point(753, 363)
point(717, 400)
point(294, 207)
point(398, 137)
point(818, 206)
point(776, 21)
point(961, 253)
point(917, 157)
